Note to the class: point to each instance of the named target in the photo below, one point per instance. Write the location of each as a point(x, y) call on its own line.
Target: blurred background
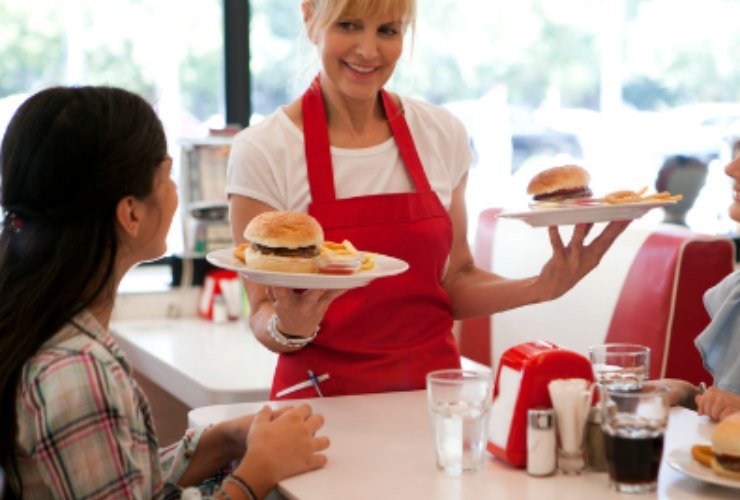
point(617, 86)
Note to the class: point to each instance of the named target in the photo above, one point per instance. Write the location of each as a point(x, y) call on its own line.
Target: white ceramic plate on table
point(681, 460)
point(384, 266)
point(585, 214)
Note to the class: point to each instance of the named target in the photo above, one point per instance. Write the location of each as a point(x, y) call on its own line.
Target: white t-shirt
point(268, 161)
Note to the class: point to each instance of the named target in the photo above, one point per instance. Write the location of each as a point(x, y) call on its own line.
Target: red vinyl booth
point(475, 333)
point(660, 303)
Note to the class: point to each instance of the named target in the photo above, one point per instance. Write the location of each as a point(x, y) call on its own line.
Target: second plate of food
point(585, 214)
point(680, 459)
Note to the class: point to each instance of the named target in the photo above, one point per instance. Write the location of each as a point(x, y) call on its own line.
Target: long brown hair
point(68, 156)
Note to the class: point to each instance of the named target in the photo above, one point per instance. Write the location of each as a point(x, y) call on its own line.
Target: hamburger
point(283, 241)
point(558, 184)
point(726, 447)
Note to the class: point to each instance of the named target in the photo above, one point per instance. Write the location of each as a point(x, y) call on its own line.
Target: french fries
point(619, 197)
point(345, 251)
point(240, 252)
point(703, 454)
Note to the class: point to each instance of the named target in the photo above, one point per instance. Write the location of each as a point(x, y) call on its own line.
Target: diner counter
point(381, 448)
point(199, 362)
point(202, 363)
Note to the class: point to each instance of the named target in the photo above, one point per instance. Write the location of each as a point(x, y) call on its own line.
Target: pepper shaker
point(595, 440)
point(541, 442)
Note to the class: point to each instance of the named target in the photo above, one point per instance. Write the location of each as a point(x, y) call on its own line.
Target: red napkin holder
point(521, 383)
point(219, 282)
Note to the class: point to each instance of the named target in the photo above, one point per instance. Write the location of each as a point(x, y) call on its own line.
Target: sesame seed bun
point(283, 229)
point(566, 179)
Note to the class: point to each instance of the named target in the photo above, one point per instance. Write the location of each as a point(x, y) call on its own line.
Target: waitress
point(387, 173)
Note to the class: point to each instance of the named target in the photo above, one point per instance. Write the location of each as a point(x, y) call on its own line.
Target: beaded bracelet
point(242, 484)
point(281, 339)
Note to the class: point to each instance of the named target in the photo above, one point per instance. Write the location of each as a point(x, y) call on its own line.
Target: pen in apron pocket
point(315, 383)
point(304, 384)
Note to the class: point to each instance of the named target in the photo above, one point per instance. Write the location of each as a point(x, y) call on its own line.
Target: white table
point(382, 449)
point(199, 362)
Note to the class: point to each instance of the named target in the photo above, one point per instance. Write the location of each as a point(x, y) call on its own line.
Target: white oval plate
point(384, 266)
point(585, 214)
point(681, 460)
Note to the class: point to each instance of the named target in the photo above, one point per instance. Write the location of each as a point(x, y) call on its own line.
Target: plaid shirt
point(85, 427)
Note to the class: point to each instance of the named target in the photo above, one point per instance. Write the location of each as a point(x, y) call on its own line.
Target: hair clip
point(13, 222)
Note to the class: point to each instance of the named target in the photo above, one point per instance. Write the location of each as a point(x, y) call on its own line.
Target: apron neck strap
point(318, 149)
point(316, 144)
point(405, 142)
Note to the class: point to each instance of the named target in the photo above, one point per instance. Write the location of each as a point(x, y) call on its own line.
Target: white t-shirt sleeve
point(250, 172)
point(464, 153)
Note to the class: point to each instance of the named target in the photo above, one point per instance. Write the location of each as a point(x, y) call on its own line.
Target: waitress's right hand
point(299, 312)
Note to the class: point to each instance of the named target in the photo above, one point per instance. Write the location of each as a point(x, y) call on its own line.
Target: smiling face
point(359, 42)
point(733, 170)
point(359, 55)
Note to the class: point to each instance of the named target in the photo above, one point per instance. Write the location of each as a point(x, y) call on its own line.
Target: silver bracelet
point(281, 339)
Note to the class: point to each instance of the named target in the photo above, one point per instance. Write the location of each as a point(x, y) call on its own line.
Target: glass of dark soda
point(634, 425)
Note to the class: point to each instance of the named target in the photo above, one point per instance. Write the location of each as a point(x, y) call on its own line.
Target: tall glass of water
point(459, 404)
point(620, 366)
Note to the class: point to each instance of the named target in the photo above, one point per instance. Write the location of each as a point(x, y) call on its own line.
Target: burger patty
point(564, 193)
point(729, 462)
point(303, 252)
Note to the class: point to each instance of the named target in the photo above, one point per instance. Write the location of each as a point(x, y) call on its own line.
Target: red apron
point(388, 335)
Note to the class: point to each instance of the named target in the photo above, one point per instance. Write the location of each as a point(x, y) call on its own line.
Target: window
point(170, 52)
point(615, 85)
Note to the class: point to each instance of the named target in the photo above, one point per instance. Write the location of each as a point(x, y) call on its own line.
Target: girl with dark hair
point(87, 194)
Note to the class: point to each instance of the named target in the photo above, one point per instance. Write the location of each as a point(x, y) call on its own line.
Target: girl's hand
point(283, 446)
point(717, 404)
point(236, 430)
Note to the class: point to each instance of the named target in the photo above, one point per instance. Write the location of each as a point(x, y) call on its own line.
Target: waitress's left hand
point(300, 312)
point(569, 264)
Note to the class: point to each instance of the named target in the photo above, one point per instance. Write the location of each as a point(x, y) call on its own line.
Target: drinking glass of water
point(459, 404)
point(620, 366)
point(634, 426)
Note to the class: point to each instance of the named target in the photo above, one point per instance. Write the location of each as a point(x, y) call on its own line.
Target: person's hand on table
point(717, 404)
point(300, 312)
point(282, 446)
point(682, 393)
point(570, 263)
point(236, 430)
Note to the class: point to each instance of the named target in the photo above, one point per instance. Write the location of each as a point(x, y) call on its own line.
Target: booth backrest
point(661, 304)
point(647, 289)
point(475, 333)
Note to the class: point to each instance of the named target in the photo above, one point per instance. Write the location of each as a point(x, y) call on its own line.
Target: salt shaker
point(541, 443)
point(220, 313)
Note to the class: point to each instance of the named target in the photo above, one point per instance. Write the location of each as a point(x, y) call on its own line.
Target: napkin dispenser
point(224, 283)
point(521, 384)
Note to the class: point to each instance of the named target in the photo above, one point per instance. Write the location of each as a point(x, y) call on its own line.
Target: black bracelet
point(242, 484)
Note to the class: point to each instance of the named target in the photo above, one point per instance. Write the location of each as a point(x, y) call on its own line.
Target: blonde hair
point(324, 13)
